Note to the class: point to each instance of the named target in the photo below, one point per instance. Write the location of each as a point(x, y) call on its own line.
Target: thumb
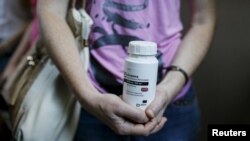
point(135, 114)
point(156, 106)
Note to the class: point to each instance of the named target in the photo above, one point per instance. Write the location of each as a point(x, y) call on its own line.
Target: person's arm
point(191, 52)
point(61, 46)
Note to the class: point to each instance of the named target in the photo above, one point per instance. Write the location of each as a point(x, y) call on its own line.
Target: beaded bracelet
point(176, 68)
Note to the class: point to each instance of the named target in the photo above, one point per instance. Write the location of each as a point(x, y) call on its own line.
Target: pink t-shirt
point(116, 22)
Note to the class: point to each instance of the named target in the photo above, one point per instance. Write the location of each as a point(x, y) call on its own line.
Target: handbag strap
point(73, 4)
point(80, 23)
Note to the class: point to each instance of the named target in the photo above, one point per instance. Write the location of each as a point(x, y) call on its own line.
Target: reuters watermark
point(236, 132)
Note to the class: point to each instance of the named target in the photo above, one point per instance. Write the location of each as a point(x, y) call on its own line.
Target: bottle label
point(139, 84)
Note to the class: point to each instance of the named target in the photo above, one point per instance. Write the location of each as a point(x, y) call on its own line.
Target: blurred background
point(223, 80)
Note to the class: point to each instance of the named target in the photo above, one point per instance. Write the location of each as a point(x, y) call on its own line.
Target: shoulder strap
point(74, 2)
point(80, 23)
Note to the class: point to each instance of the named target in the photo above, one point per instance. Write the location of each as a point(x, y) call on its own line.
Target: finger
point(159, 125)
point(156, 106)
point(139, 129)
point(160, 115)
point(132, 113)
point(150, 113)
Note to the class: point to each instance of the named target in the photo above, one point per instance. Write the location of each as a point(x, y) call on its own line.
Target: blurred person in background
point(14, 19)
point(29, 37)
point(15, 36)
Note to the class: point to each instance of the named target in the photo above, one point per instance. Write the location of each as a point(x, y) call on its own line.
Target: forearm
point(62, 48)
point(193, 47)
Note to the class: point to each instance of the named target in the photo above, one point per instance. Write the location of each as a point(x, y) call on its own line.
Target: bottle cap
point(142, 48)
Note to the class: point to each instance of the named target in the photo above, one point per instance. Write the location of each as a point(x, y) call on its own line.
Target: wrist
point(180, 70)
point(87, 97)
point(173, 83)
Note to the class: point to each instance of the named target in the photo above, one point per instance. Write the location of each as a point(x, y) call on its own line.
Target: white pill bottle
point(140, 74)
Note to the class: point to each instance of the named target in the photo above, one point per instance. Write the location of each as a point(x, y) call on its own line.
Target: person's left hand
point(159, 104)
point(166, 91)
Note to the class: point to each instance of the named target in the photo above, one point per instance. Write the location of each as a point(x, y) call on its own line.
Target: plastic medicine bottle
point(140, 74)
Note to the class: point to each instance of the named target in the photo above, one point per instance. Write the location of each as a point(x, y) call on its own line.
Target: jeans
point(183, 124)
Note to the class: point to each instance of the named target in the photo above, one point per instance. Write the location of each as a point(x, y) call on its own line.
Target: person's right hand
point(121, 117)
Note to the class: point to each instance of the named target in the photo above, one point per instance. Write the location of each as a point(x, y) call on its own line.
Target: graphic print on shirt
point(114, 19)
